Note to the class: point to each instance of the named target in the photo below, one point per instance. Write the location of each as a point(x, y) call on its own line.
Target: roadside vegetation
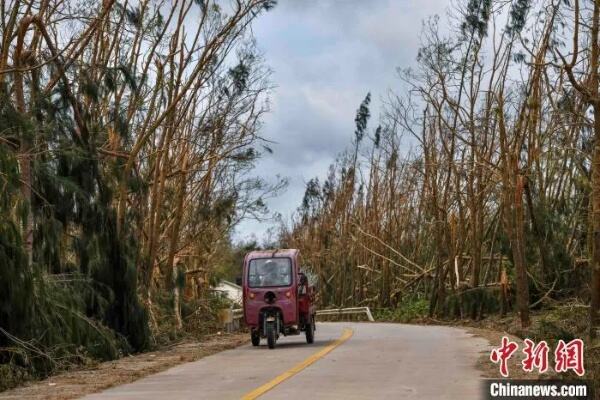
point(478, 189)
point(128, 134)
point(411, 310)
point(128, 131)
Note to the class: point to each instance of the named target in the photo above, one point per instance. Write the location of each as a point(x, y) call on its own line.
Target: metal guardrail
point(237, 313)
point(231, 319)
point(351, 310)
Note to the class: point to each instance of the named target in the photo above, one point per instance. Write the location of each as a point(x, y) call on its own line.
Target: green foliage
point(477, 302)
point(477, 17)
point(16, 284)
point(78, 296)
point(362, 117)
point(550, 329)
point(269, 4)
point(564, 322)
point(230, 267)
point(377, 136)
point(239, 75)
point(518, 16)
point(312, 197)
point(73, 194)
point(410, 309)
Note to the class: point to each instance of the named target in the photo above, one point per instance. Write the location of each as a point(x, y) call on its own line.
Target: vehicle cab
point(276, 295)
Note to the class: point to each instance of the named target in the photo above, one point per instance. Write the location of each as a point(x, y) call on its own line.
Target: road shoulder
point(78, 383)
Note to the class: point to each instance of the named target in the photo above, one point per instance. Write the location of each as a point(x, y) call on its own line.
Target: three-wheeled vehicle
point(277, 296)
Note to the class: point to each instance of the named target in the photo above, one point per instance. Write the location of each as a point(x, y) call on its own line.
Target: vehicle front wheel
point(271, 335)
point(255, 337)
point(310, 331)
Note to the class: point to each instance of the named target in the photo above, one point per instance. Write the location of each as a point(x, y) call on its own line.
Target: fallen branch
point(390, 248)
point(544, 296)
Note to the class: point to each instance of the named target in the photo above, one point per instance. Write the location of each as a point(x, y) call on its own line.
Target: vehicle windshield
point(264, 272)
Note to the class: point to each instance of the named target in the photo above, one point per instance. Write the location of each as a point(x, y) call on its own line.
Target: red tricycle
point(277, 296)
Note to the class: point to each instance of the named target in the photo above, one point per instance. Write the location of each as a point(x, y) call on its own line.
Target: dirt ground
point(515, 370)
point(75, 384)
point(493, 329)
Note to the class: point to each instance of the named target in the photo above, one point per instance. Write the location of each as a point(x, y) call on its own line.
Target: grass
point(411, 310)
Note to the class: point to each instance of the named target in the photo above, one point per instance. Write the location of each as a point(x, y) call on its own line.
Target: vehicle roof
point(272, 253)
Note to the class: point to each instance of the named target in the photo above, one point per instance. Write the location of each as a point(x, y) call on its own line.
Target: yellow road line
point(346, 334)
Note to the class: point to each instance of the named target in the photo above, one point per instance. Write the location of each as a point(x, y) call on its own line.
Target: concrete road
point(379, 361)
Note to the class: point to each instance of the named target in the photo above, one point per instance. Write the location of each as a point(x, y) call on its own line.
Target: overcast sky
point(326, 56)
